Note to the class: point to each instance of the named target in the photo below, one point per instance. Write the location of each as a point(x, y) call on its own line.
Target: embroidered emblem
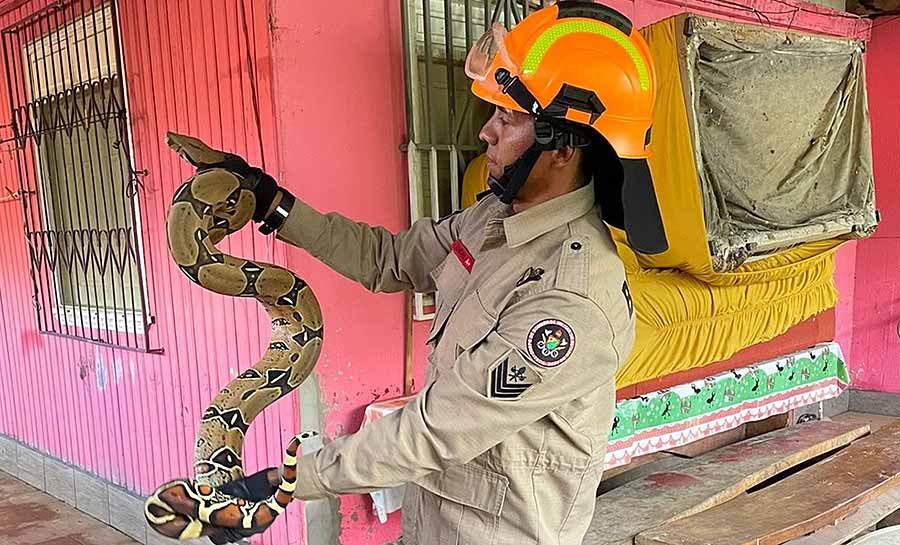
point(462, 254)
point(551, 342)
point(627, 293)
point(530, 275)
point(508, 381)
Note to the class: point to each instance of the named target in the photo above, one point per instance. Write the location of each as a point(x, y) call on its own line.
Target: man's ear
point(564, 156)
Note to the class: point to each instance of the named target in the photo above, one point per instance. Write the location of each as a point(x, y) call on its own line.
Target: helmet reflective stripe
point(540, 47)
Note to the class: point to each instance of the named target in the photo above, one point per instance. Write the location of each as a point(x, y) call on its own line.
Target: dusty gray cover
point(782, 136)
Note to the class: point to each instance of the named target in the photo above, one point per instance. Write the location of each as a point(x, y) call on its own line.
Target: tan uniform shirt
point(505, 442)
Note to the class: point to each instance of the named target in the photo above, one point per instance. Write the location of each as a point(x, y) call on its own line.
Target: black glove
point(264, 186)
point(256, 487)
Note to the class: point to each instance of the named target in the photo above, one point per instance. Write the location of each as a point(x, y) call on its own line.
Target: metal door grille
point(70, 129)
point(443, 116)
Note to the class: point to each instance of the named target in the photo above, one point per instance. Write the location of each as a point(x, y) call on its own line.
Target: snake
point(212, 204)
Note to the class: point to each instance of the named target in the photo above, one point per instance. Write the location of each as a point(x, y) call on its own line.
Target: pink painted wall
point(341, 120)
point(876, 311)
point(131, 417)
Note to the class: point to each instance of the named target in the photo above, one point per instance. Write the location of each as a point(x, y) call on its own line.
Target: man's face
point(508, 134)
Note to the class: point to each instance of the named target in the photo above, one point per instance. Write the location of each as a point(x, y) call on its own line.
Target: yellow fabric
point(474, 180)
point(684, 323)
point(672, 162)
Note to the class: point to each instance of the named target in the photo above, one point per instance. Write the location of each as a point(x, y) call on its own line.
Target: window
point(70, 127)
point(443, 116)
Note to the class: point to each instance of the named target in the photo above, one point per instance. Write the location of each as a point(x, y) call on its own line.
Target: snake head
point(222, 202)
point(232, 214)
point(195, 151)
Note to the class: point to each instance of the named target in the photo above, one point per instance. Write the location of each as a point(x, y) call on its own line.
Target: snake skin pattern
point(211, 205)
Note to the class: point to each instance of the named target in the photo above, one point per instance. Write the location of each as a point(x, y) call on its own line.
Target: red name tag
point(462, 254)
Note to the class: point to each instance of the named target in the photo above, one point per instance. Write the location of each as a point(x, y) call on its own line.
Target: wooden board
point(711, 443)
point(797, 505)
point(868, 515)
point(636, 463)
point(709, 480)
point(874, 421)
point(650, 463)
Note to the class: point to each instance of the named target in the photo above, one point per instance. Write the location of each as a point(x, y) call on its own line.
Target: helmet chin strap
point(514, 176)
point(547, 138)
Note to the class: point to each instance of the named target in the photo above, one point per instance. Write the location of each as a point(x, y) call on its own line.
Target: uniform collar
point(541, 219)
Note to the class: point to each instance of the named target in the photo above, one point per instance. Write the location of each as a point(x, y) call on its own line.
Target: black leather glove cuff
point(265, 189)
point(275, 220)
point(264, 186)
point(228, 535)
point(256, 487)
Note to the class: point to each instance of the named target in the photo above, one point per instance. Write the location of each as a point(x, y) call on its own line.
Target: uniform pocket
point(471, 504)
point(475, 322)
point(450, 279)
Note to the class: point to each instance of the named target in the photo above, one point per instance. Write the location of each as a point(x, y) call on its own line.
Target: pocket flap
point(449, 278)
point(469, 485)
point(478, 322)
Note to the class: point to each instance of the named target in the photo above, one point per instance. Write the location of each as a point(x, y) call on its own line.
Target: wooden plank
point(874, 421)
point(636, 463)
point(868, 515)
point(710, 479)
point(761, 427)
point(641, 467)
point(797, 505)
point(892, 519)
point(708, 444)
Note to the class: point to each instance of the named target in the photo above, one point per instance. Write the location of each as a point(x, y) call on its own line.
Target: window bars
point(442, 115)
point(70, 129)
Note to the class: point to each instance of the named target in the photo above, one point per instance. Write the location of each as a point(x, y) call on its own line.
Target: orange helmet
point(579, 61)
point(578, 66)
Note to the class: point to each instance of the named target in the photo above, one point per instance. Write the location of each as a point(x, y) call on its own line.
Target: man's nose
point(487, 134)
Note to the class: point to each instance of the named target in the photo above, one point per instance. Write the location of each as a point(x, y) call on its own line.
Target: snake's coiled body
point(211, 205)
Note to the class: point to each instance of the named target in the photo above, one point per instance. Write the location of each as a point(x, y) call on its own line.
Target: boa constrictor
point(211, 205)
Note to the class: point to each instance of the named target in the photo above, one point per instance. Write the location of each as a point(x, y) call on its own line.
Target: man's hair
point(598, 158)
point(599, 162)
point(602, 164)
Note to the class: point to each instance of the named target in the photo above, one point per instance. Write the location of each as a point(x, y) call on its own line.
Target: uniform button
point(575, 246)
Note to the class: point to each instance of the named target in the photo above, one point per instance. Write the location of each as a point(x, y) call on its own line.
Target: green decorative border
point(821, 364)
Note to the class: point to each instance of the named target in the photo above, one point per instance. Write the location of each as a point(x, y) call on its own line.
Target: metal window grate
point(70, 129)
point(442, 115)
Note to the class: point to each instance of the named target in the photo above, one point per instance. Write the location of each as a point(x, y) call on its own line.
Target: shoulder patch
point(509, 380)
point(550, 343)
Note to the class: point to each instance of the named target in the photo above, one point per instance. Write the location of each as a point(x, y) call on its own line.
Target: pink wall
point(125, 416)
point(876, 312)
point(341, 120)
